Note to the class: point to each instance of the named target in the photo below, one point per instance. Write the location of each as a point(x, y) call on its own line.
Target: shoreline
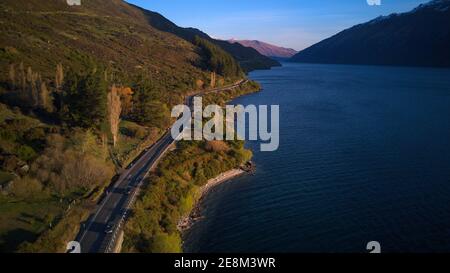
point(194, 215)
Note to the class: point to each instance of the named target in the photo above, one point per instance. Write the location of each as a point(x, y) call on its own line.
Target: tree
point(22, 77)
point(199, 84)
point(29, 74)
point(59, 82)
point(147, 106)
point(217, 60)
point(69, 165)
point(59, 76)
point(68, 94)
point(93, 93)
point(84, 98)
point(114, 110)
point(26, 188)
point(126, 97)
point(166, 243)
point(45, 99)
point(27, 87)
point(12, 76)
point(213, 79)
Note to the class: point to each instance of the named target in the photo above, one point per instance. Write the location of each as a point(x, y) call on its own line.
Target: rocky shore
point(187, 221)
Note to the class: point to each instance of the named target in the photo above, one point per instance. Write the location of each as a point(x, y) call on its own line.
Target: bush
point(26, 153)
point(166, 243)
point(26, 188)
point(35, 136)
point(68, 166)
point(216, 146)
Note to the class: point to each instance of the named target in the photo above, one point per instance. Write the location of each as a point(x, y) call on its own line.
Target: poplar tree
point(59, 76)
point(12, 76)
point(45, 99)
point(114, 110)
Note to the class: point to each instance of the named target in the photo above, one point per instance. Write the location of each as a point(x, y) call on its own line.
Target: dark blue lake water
point(364, 155)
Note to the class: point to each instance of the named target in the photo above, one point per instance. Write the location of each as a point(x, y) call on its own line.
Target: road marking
point(156, 151)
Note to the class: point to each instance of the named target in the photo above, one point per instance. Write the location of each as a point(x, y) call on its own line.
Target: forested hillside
point(84, 89)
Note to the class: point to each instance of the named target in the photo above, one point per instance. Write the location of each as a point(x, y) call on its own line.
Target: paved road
point(115, 205)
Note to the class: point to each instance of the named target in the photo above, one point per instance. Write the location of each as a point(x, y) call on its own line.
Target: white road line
point(124, 176)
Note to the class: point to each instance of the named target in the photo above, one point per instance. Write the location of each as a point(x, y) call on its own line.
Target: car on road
point(110, 228)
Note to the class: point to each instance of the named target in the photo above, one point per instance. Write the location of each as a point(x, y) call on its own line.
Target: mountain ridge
point(267, 49)
point(248, 58)
point(420, 37)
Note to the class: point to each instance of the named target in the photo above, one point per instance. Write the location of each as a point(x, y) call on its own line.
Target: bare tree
point(28, 87)
point(45, 100)
point(22, 77)
point(33, 85)
point(29, 75)
point(12, 76)
point(59, 76)
point(213, 79)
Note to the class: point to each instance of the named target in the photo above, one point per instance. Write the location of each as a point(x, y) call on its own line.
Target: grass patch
point(53, 240)
point(5, 177)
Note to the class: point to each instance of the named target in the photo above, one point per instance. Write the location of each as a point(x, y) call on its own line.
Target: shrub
point(166, 243)
point(216, 146)
point(26, 188)
point(26, 153)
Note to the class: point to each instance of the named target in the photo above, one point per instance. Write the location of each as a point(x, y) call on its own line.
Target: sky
point(294, 24)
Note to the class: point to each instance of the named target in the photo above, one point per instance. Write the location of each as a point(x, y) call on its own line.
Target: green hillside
point(83, 90)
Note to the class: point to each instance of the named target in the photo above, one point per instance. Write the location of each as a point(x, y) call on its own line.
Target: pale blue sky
point(290, 23)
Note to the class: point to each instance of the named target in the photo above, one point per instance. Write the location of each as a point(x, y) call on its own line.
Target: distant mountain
point(420, 37)
point(267, 49)
point(248, 58)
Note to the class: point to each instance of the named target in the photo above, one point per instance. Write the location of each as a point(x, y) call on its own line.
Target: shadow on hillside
point(10, 241)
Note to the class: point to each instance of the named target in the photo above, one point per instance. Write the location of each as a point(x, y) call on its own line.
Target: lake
point(364, 156)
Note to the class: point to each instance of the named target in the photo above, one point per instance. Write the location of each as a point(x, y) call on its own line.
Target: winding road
point(111, 212)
